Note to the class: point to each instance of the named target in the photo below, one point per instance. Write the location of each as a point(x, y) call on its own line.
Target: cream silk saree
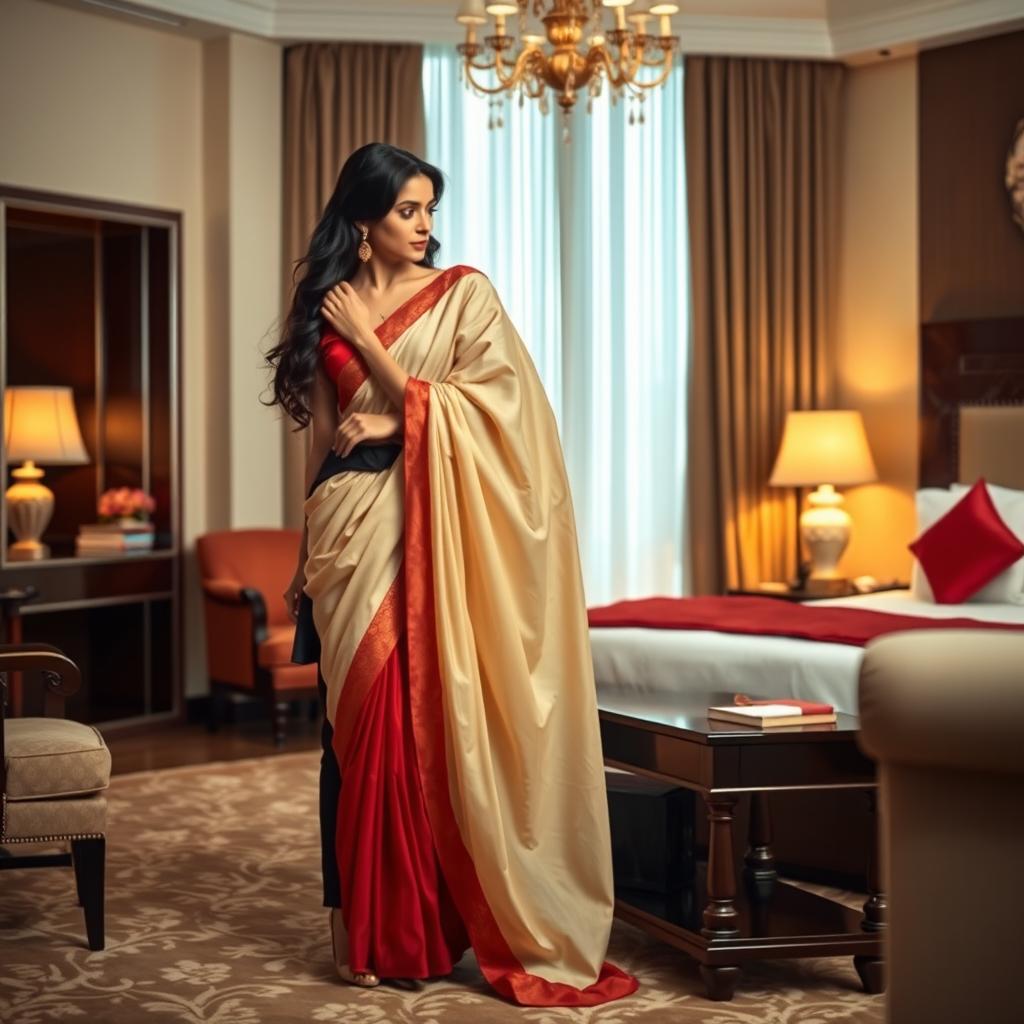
point(447, 597)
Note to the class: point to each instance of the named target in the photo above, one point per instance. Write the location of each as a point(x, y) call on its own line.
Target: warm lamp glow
point(40, 424)
point(823, 447)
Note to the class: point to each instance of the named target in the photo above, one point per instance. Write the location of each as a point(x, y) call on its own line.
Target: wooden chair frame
point(61, 678)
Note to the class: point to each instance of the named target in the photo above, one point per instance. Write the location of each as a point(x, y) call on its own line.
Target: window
point(586, 245)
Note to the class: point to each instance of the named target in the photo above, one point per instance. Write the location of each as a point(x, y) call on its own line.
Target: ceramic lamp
point(40, 425)
point(823, 449)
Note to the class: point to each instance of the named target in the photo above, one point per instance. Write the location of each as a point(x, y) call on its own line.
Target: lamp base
point(27, 551)
point(29, 509)
point(825, 531)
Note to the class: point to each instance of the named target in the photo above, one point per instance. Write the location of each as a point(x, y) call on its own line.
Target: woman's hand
point(365, 426)
point(294, 592)
point(347, 313)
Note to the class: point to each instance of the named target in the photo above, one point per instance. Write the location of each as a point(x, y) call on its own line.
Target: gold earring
point(365, 252)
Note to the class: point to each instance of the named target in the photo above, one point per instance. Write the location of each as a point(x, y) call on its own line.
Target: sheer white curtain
point(586, 245)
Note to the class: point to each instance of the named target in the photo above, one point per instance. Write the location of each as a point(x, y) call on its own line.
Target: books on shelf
point(122, 527)
point(114, 538)
point(768, 716)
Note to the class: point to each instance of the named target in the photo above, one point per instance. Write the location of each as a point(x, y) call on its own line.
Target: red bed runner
point(767, 616)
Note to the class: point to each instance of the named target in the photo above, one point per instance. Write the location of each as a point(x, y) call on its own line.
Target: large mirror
point(89, 367)
point(90, 376)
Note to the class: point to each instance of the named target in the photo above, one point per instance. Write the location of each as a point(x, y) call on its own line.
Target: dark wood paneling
point(121, 353)
point(50, 336)
point(978, 362)
point(970, 98)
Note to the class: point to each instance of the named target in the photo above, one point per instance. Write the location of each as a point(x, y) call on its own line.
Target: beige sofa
point(943, 714)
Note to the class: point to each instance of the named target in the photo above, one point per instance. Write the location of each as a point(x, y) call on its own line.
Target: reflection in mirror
point(88, 311)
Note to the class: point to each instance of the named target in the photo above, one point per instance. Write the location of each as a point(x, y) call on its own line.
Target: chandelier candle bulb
point(471, 13)
point(639, 20)
point(620, 11)
point(664, 11)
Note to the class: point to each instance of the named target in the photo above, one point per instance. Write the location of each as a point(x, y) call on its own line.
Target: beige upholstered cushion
point(952, 699)
point(77, 816)
point(52, 757)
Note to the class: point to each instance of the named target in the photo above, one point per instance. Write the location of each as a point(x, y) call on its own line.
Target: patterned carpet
point(214, 917)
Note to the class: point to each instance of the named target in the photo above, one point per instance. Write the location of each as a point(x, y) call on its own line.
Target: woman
point(438, 584)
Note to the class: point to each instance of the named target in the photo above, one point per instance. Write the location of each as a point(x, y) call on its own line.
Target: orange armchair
point(249, 635)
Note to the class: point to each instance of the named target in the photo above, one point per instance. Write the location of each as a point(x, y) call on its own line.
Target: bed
point(971, 425)
point(630, 661)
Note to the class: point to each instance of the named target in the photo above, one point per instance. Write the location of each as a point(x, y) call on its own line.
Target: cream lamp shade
point(40, 425)
point(822, 449)
point(472, 12)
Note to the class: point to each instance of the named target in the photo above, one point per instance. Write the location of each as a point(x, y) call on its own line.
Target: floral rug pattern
point(213, 916)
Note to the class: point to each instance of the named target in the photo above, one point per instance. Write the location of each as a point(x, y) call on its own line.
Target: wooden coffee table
point(719, 922)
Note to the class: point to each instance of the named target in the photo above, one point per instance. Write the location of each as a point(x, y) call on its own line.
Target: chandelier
point(621, 54)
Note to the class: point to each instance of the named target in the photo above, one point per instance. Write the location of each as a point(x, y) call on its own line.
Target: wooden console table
point(720, 923)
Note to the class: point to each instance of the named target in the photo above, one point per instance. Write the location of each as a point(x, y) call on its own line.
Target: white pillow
point(996, 493)
point(933, 503)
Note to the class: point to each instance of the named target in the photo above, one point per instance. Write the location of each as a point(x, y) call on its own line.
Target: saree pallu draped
point(447, 596)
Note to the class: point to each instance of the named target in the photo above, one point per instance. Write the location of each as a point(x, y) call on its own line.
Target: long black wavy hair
point(366, 190)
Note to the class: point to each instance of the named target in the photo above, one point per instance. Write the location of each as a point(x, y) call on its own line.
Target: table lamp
point(817, 447)
point(40, 425)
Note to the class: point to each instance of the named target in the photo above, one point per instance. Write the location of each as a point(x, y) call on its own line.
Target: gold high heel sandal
point(364, 979)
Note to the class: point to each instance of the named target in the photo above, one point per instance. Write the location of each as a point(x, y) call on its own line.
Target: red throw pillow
point(969, 546)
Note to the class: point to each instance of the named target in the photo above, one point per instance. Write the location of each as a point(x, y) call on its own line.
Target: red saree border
point(379, 640)
point(353, 374)
point(499, 965)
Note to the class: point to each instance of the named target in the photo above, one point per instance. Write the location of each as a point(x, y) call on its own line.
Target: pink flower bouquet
point(125, 503)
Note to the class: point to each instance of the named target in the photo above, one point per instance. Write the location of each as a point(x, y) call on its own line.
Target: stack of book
point(114, 538)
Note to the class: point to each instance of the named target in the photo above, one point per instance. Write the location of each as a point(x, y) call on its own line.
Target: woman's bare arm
point(391, 377)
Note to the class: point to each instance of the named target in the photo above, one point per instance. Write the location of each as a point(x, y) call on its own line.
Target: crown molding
point(906, 25)
point(385, 21)
point(713, 34)
point(933, 23)
point(255, 17)
point(805, 38)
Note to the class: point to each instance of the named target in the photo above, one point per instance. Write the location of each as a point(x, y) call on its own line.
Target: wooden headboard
point(972, 402)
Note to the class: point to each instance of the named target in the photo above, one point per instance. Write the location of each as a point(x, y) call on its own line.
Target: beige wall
point(878, 308)
point(103, 108)
point(243, 141)
point(257, 138)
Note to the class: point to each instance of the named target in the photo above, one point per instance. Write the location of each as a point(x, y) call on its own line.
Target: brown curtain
point(763, 166)
point(337, 97)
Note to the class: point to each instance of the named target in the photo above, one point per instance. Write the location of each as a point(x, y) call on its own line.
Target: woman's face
point(403, 233)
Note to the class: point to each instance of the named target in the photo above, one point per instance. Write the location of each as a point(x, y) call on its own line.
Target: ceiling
point(851, 30)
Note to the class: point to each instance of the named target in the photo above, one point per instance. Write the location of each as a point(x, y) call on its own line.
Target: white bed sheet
point(663, 661)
